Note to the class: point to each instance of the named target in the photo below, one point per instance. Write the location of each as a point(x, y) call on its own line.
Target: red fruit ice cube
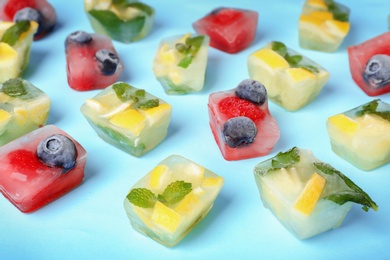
point(370, 71)
point(43, 13)
point(86, 68)
point(29, 183)
point(226, 105)
point(230, 30)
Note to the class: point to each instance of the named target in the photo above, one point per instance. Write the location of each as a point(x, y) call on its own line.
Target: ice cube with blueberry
point(40, 167)
point(23, 108)
point(91, 61)
point(241, 122)
point(40, 11)
point(361, 135)
point(168, 202)
point(15, 47)
point(369, 63)
point(306, 195)
point(291, 79)
point(323, 25)
point(180, 63)
point(121, 20)
point(230, 29)
point(128, 118)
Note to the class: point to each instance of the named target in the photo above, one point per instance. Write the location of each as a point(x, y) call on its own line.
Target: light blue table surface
point(90, 221)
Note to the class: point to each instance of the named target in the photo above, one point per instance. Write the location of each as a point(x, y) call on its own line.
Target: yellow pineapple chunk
point(155, 114)
point(166, 217)
point(188, 203)
point(337, 27)
point(343, 123)
point(130, 119)
point(5, 117)
point(317, 3)
point(299, 74)
point(38, 111)
point(271, 58)
point(7, 53)
point(310, 194)
point(212, 181)
point(158, 176)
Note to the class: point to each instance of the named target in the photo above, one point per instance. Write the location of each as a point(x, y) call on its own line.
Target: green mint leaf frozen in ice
point(353, 194)
point(121, 90)
point(310, 68)
point(149, 104)
point(175, 192)
point(337, 11)
point(285, 159)
point(14, 87)
point(190, 48)
point(140, 93)
point(116, 28)
point(279, 47)
point(142, 197)
point(371, 108)
point(12, 34)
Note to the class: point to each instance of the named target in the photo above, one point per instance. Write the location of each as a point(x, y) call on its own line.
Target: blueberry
point(377, 72)
point(79, 37)
point(252, 91)
point(30, 14)
point(57, 151)
point(239, 131)
point(107, 61)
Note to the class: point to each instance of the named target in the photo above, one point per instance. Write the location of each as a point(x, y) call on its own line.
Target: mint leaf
point(149, 104)
point(14, 87)
point(293, 60)
point(175, 192)
point(142, 197)
point(354, 194)
point(117, 29)
point(285, 159)
point(122, 90)
point(337, 11)
point(371, 108)
point(140, 93)
point(189, 49)
point(12, 34)
point(279, 48)
point(310, 68)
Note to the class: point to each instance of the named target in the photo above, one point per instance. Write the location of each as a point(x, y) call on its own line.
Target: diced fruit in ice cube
point(168, 202)
point(292, 80)
point(29, 182)
point(242, 128)
point(305, 194)
point(15, 45)
point(40, 11)
point(23, 108)
point(323, 25)
point(124, 21)
point(92, 61)
point(369, 63)
point(180, 63)
point(230, 29)
point(128, 118)
point(361, 135)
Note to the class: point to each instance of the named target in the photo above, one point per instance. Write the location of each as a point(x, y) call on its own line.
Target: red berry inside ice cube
point(235, 106)
point(26, 161)
point(15, 5)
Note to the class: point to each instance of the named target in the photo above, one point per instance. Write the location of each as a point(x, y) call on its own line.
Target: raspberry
point(24, 160)
point(235, 106)
point(15, 5)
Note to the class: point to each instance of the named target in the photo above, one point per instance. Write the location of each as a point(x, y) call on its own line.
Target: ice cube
point(165, 220)
point(28, 182)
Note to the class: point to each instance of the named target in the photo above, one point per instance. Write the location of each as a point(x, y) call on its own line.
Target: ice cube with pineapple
point(361, 135)
point(15, 45)
point(306, 195)
point(168, 202)
point(180, 63)
point(291, 79)
point(128, 118)
point(323, 25)
point(23, 108)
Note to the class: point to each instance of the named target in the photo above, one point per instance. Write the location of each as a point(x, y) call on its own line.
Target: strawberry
point(235, 106)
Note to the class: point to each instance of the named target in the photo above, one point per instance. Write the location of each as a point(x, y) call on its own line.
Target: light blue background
point(91, 222)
